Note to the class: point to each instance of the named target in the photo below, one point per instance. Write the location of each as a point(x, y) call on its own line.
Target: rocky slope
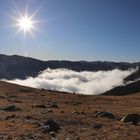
point(33, 114)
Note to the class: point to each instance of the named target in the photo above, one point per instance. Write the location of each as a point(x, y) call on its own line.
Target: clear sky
point(74, 29)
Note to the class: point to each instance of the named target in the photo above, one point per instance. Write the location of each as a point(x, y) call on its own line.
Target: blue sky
point(74, 30)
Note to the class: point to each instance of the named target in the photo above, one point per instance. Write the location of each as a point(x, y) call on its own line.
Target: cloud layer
point(91, 83)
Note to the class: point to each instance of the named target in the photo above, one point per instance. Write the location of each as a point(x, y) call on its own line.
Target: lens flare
point(24, 22)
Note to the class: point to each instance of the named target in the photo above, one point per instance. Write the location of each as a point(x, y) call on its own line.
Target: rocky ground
point(33, 114)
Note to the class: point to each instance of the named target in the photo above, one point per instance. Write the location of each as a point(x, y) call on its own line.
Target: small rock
point(104, 114)
point(53, 105)
point(17, 101)
point(76, 103)
point(83, 113)
point(10, 108)
point(40, 106)
point(82, 130)
point(50, 125)
point(28, 117)
point(72, 122)
point(7, 96)
point(97, 126)
point(62, 111)
point(46, 128)
point(53, 134)
point(71, 130)
point(75, 112)
point(49, 110)
point(133, 118)
point(10, 117)
point(30, 136)
point(26, 90)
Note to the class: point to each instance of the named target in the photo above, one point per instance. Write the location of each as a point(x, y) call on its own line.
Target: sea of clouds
point(85, 82)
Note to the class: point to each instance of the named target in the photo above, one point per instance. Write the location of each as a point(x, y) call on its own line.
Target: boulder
point(132, 118)
point(50, 125)
point(104, 114)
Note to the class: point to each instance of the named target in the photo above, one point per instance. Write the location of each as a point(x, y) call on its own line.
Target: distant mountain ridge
point(15, 66)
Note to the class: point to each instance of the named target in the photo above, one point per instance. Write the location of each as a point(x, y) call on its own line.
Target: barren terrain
point(74, 114)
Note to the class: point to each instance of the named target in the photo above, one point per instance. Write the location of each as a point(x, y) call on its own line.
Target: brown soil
point(74, 114)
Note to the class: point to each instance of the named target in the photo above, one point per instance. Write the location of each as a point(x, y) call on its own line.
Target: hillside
point(12, 67)
point(124, 90)
point(26, 114)
point(134, 76)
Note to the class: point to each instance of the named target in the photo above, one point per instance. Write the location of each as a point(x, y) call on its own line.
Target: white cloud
point(85, 82)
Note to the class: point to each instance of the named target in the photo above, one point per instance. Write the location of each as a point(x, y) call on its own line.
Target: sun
point(26, 24)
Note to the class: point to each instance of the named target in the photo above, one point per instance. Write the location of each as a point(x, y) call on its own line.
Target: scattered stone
point(104, 114)
point(76, 103)
point(11, 96)
point(40, 106)
point(75, 112)
point(31, 119)
point(49, 110)
point(83, 113)
point(7, 96)
point(3, 97)
point(97, 125)
point(50, 125)
point(26, 90)
point(30, 136)
point(17, 101)
point(42, 95)
point(82, 130)
point(72, 122)
point(71, 130)
point(28, 117)
point(52, 134)
point(11, 108)
point(45, 128)
point(10, 117)
point(78, 113)
point(53, 105)
point(132, 118)
point(62, 111)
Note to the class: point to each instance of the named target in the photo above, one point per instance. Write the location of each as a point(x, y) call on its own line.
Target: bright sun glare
point(25, 24)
